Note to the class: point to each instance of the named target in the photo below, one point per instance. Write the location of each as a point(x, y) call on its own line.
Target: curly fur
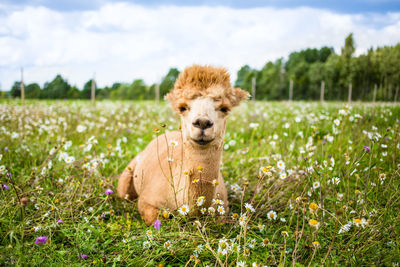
point(200, 81)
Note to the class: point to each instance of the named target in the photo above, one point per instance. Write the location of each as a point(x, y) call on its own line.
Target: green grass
point(110, 231)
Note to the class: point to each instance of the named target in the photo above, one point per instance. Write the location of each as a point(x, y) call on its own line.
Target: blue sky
point(354, 6)
point(124, 40)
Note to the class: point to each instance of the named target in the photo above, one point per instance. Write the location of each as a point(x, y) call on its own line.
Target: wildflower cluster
point(307, 185)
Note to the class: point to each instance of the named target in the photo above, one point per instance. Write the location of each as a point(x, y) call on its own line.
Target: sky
point(119, 41)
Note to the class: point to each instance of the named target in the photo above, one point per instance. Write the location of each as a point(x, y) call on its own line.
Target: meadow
point(309, 185)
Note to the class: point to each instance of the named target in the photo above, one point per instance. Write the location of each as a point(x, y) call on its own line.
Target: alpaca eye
point(182, 108)
point(223, 109)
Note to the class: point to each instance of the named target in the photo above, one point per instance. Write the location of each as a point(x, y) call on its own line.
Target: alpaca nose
point(203, 123)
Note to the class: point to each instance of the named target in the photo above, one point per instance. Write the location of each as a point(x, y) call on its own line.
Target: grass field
point(308, 184)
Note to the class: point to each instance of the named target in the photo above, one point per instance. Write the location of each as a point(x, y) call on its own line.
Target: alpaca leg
point(126, 189)
point(148, 212)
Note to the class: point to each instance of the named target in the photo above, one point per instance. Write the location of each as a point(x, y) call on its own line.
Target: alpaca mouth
point(202, 141)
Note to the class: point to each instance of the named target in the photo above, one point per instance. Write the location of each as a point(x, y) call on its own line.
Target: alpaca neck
point(200, 181)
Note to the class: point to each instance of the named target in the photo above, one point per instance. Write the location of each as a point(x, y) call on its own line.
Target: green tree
point(349, 47)
point(32, 90)
point(56, 89)
point(168, 81)
point(331, 77)
point(73, 93)
point(347, 72)
point(16, 90)
point(86, 92)
point(138, 90)
point(244, 78)
point(270, 82)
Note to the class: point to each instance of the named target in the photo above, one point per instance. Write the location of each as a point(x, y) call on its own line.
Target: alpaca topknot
point(198, 77)
point(205, 81)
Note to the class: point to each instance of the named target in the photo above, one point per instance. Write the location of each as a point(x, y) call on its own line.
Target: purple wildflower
point(6, 148)
point(59, 221)
point(84, 256)
point(367, 149)
point(103, 215)
point(9, 175)
point(109, 192)
point(41, 240)
point(5, 187)
point(157, 224)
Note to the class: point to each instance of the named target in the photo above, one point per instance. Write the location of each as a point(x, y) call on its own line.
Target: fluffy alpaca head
point(203, 97)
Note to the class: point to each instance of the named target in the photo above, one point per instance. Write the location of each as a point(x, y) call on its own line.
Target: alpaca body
point(148, 176)
point(177, 168)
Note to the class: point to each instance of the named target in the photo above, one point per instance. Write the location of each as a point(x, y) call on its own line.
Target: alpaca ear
point(240, 95)
point(168, 97)
point(171, 98)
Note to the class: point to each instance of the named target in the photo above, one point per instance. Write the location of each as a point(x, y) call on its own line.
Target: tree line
point(306, 69)
point(59, 88)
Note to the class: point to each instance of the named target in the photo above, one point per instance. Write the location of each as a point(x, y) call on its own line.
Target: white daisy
point(281, 165)
point(221, 210)
point(272, 215)
point(218, 201)
point(252, 243)
point(242, 219)
point(336, 180)
point(184, 210)
point(336, 122)
point(173, 143)
point(249, 207)
point(146, 244)
point(69, 159)
point(80, 128)
point(316, 185)
point(241, 264)
point(211, 210)
point(167, 245)
point(200, 201)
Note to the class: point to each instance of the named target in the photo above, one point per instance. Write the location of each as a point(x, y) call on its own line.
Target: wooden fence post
point(22, 87)
point(350, 89)
point(374, 95)
point(93, 91)
point(322, 91)
point(396, 94)
point(157, 92)
point(291, 91)
point(253, 89)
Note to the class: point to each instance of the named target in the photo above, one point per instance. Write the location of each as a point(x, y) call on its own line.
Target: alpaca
point(182, 168)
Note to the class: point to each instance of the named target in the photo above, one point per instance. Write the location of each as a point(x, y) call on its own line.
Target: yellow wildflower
point(313, 223)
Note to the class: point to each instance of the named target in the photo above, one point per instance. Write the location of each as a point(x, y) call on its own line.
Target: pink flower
point(84, 256)
point(41, 240)
point(157, 224)
point(109, 192)
point(59, 221)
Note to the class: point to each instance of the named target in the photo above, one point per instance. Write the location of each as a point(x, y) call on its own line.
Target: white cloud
point(122, 42)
